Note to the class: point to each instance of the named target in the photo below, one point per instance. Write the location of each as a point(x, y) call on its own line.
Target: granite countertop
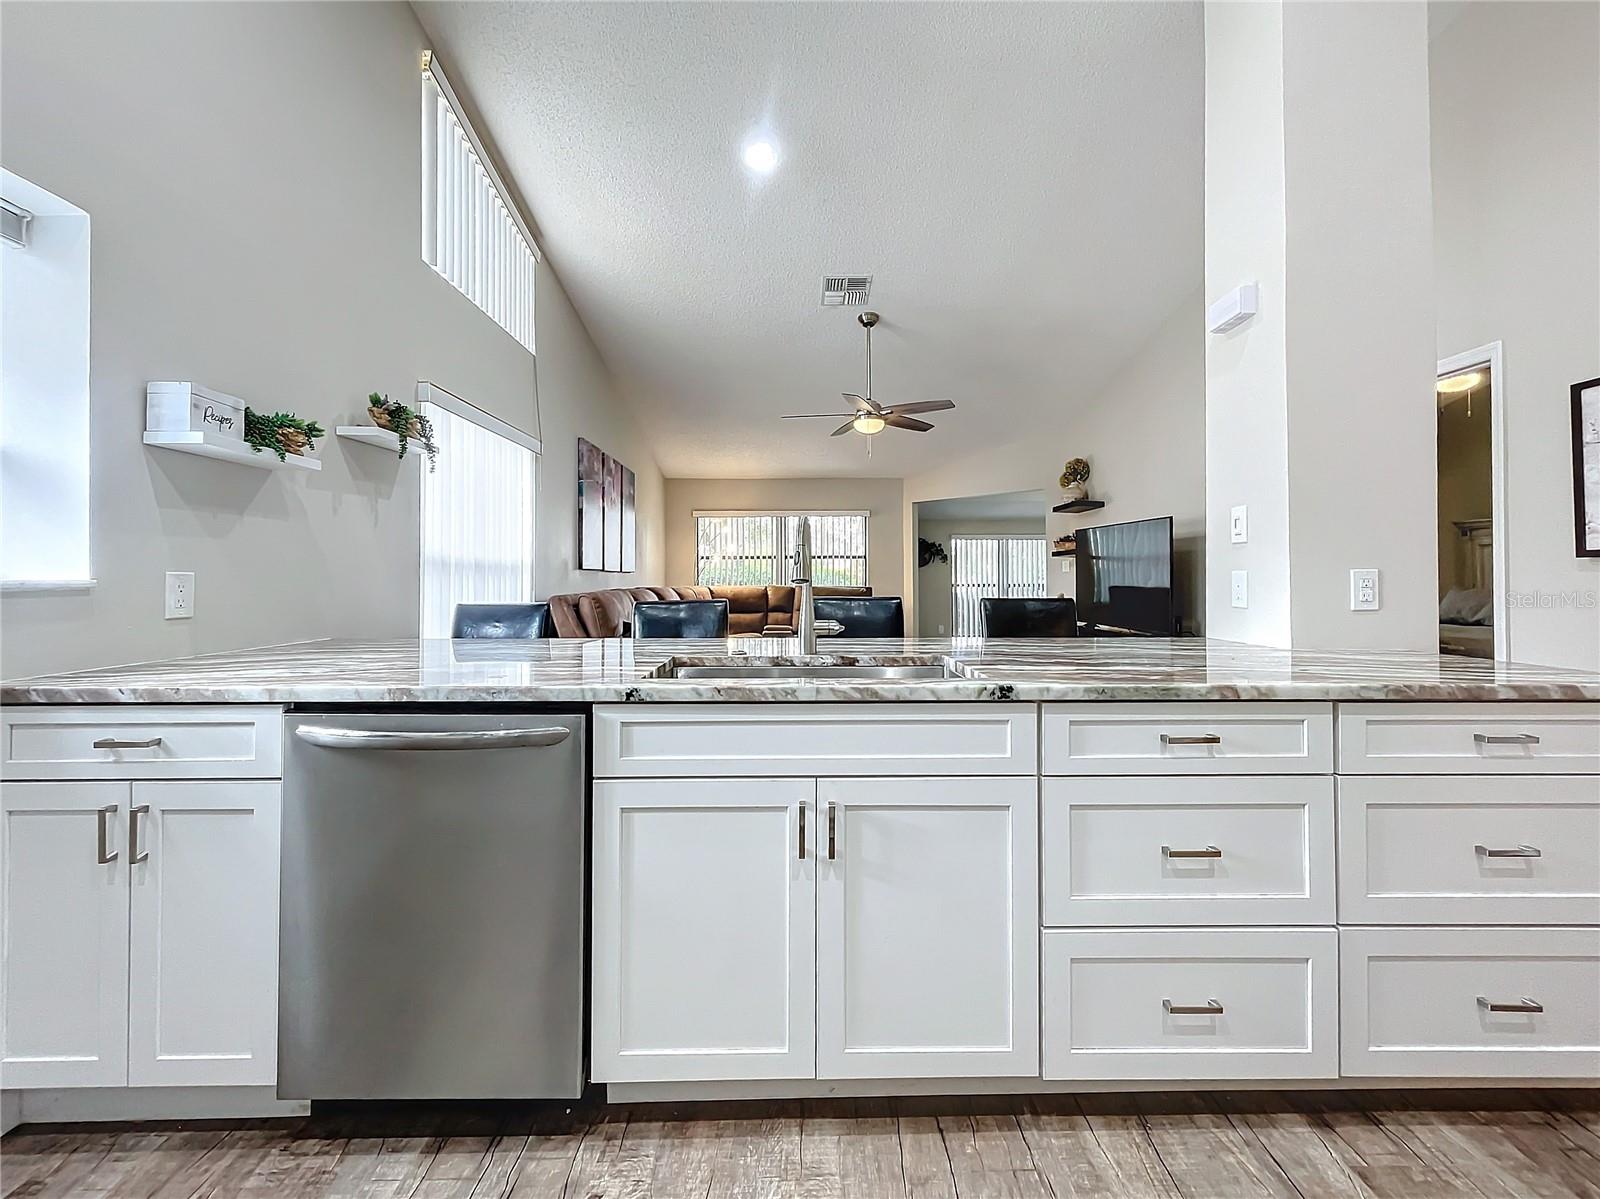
point(593, 671)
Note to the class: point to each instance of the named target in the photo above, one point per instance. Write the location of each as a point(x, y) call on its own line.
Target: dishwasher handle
point(330, 737)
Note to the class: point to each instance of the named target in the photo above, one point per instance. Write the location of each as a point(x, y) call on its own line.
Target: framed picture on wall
point(591, 507)
point(613, 493)
point(1586, 466)
point(629, 526)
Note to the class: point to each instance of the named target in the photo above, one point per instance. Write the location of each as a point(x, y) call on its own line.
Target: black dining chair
point(501, 620)
point(680, 618)
point(864, 616)
point(1029, 617)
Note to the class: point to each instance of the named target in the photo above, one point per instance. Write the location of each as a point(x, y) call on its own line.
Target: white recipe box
point(188, 407)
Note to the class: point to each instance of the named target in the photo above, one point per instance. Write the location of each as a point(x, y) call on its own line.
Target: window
point(757, 548)
point(44, 412)
point(477, 511)
point(471, 232)
point(991, 566)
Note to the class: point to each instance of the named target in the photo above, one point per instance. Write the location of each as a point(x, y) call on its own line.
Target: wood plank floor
point(1343, 1145)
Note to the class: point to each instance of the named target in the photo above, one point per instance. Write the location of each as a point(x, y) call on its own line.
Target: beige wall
point(1144, 437)
point(933, 580)
point(256, 227)
point(1516, 166)
point(880, 498)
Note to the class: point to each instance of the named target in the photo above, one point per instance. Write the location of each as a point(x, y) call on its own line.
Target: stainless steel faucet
point(806, 625)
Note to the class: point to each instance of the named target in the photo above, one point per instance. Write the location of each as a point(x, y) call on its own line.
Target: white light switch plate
point(1237, 532)
point(180, 595)
point(1364, 590)
point(1241, 589)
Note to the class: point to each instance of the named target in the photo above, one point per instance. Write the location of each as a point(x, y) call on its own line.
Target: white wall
point(879, 498)
point(1516, 200)
point(1144, 437)
point(257, 228)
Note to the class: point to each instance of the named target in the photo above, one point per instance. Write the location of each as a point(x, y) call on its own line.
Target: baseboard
point(96, 1104)
point(805, 1088)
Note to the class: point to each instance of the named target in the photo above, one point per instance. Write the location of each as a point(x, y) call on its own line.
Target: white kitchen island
point(1105, 864)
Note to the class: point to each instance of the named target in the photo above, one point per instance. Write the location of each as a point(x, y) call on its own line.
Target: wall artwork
point(1586, 466)
point(606, 521)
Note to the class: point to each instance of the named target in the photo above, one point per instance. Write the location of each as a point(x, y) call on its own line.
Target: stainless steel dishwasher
point(432, 907)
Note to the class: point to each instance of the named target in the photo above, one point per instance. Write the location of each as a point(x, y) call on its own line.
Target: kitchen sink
point(828, 671)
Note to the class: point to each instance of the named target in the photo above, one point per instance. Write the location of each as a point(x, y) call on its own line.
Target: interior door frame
point(1491, 357)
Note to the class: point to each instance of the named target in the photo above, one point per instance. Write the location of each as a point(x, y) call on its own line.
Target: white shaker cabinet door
point(704, 929)
point(203, 957)
point(64, 926)
point(927, 928)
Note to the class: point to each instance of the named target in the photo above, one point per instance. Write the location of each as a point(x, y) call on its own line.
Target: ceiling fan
point(871, 418)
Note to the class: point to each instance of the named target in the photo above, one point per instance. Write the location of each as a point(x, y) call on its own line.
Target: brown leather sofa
point(752, 611)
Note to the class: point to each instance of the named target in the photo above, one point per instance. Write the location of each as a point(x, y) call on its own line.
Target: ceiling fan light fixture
point(1452, 385)
point(868, 424)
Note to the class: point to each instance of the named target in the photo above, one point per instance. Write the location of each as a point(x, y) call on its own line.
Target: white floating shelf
point(229, 449)
point(372, 435)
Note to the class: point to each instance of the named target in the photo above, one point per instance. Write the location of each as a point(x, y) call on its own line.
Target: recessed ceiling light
point(1456, 384)
point(761, 156)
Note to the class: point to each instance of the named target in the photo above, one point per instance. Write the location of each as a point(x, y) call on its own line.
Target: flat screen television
point(1124, 577)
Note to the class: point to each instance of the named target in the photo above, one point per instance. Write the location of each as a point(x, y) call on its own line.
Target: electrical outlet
point(1364, 591)
point(180, 595)
point(941, 630)
point(1241, 589)
point(1237, 532)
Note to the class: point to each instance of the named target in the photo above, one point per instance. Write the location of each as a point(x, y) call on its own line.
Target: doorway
point(975, 546)
point(1469, 395)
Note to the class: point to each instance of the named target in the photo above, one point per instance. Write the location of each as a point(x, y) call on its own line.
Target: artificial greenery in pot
point(282, 433)
point(1073, 477)
point(404, 423)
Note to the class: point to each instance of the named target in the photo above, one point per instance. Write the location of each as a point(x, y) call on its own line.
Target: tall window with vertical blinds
point(1002, 567)
point(477, 513)
point(757, 548)
point(470, 233)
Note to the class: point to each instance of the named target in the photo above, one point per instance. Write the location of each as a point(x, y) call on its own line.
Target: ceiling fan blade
point(906, 422)
point(844, 428)
point(812, 415)
point(862, 404)
point(922, 406)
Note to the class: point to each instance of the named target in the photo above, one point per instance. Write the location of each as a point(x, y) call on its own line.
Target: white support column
point(1319, 410)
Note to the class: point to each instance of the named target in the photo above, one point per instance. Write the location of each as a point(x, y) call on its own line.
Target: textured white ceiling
point(1022, 180)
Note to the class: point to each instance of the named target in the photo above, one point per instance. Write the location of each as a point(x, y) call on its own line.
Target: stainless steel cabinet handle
point(1209, 1008)
point(1521, 851)
point(833, 831)
point(114, 743)
point(336, 738)
point(1506, 738)
point(1527, 1005)
point(1210, 851)
point(104, 854)
point(1198, 739)
point(135, 854)
point(801, 854)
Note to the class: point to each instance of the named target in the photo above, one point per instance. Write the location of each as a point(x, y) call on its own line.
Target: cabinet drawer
point(1212, 738)
point(1509, 849)
point(1415, 1002)
point(1508, 738)
point(1172, 851)
point(707, 740)
point(1191, 1004)
point(140, 741)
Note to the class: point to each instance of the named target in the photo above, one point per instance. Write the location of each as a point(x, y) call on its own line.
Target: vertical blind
point(757, 548)
point(1002, 567)
point(477, 520)
point(468, 233)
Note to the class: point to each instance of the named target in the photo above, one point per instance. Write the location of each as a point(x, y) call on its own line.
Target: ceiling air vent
point(845, 291)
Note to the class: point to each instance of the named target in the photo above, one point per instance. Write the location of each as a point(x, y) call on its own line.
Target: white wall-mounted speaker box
point(188, 407)
point(1232, 310)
